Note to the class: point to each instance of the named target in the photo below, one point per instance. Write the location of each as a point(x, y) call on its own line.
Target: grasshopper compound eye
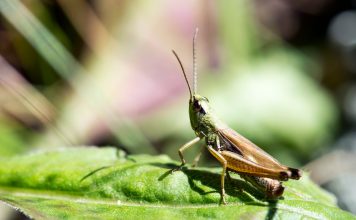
point(197, 106)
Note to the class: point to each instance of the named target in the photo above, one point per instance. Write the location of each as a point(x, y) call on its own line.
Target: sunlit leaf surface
point(92, 183)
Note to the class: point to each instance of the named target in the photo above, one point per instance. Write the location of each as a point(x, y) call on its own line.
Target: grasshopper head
point(199, 108)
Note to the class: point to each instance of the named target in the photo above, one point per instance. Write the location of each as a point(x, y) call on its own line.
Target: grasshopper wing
point(248, 150)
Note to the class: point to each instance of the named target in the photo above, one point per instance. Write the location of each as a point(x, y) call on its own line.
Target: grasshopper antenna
point(195, 73)
point(185, 75)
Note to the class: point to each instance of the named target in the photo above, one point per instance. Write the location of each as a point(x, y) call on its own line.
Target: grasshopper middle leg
point(197, 158)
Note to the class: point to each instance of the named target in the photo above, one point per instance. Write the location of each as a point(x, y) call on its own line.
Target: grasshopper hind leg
point(223, 162)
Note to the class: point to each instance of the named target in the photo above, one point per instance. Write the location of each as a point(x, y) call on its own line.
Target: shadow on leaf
point(237, 190)
point(233, 187)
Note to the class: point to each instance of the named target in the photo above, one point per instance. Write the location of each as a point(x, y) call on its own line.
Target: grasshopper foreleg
point(183, 148)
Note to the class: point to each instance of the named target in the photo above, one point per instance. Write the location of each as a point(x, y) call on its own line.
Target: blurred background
point(101, 73)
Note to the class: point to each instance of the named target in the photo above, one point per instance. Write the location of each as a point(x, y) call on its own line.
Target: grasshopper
point(235, 152)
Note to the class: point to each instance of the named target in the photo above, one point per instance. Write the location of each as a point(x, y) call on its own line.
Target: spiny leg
point(183, 148)
point(223, 162)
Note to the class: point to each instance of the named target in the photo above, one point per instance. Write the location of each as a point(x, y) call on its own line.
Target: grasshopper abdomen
point(272, 188)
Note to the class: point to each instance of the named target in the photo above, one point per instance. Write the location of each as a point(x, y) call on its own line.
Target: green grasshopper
point(235, 152)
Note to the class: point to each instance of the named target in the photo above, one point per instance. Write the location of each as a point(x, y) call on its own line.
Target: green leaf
point(92, 183)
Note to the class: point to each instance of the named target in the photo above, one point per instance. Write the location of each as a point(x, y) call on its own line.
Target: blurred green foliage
point(11, 142)
point(266, 95)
